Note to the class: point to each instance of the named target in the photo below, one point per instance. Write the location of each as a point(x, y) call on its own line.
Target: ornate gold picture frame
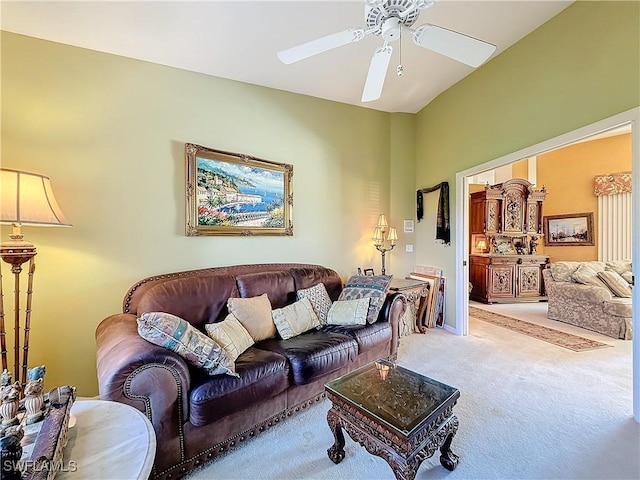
point(573, 229)
point(236, 194)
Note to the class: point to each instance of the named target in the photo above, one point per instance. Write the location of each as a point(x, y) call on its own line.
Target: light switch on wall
point(408, 248)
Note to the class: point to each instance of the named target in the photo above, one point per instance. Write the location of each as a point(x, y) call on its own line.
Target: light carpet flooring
point(528, 410)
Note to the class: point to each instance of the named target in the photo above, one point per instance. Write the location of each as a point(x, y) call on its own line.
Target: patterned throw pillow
point(254, 314)
point(349, 312)
point(319, 299)
point(618, 285)
point(368, 286)
point(181, 337)
point(619, 266)
point(562, 271)
point(295, 319)
point(587, 274)
point(230, 335)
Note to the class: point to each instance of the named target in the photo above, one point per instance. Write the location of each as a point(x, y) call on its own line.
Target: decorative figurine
point(11, 452)
point(533, 245)
point(5, 378)
point(494, 245)
point(34, 396)
point(10, 396)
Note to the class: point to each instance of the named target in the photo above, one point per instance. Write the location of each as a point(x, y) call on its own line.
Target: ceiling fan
point(387, 19)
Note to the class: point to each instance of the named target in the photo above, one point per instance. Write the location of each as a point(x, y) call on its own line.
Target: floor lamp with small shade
point(26, 199)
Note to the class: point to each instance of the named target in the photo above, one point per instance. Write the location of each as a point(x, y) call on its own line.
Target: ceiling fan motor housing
point(391, 29)
point(402, 12)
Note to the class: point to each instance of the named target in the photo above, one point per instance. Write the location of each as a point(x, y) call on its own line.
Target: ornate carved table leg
point(336, 451)
point(448, 459)
point(404, 471)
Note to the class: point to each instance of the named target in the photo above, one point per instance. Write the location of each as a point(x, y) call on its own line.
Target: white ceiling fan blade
point(458, 46)
point(320, 45)
point(377, 73)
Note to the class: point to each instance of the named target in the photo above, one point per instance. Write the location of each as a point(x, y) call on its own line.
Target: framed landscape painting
point(235, 194)
point(572, 229)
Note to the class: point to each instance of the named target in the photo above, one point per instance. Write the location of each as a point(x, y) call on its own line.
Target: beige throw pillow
point(255, 315)
point(618, 285)
point(295, 319)
point(349, 312)
point(587, 274)
point(230, 335)
point(374, 287)
point(619, 266)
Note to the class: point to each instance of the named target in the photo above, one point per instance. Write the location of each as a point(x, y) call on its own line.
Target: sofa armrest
point(150, 378)
point(392, 311)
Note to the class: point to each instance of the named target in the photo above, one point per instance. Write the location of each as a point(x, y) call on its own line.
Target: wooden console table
point(507, 278)
point(413, 290)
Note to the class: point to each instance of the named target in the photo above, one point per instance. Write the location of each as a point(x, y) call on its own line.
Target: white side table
point(110, 440)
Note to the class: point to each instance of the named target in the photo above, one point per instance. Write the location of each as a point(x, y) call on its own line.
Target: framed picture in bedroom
point(236, 194)
point(572, 229)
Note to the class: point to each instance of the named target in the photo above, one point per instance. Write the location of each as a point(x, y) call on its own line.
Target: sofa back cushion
point(309, 276)
point(278, 286)
point(198, 300)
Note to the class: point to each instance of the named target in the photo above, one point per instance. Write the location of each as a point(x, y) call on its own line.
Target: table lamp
point(25, 199)
point(379, 238)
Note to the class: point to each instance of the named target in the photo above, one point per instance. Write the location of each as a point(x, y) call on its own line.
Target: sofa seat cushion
point(619, 307)
point(263, 375)
point(368, 336)
point(314, 353)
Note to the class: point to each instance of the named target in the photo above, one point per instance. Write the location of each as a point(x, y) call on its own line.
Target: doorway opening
point(630, 118)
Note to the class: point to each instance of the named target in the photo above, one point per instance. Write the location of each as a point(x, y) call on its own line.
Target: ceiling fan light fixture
point(373, 3)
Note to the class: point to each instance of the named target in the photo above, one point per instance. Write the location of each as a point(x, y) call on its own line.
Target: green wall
point(580, 67)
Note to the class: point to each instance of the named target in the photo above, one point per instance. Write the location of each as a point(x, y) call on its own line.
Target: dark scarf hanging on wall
point(443, 229)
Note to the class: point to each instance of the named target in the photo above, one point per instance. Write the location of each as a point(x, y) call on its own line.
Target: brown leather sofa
point(197, 417)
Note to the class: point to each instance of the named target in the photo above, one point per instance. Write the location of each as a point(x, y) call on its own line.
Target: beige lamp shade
point(27, 199)
point(392, 236)
point(377, 236)
point(481, 245)
point(382, 222)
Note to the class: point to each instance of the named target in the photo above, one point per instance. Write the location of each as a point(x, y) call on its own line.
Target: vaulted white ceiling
point(238, 40)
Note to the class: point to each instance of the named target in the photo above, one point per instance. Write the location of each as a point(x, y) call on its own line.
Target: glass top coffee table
point(396, 414)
